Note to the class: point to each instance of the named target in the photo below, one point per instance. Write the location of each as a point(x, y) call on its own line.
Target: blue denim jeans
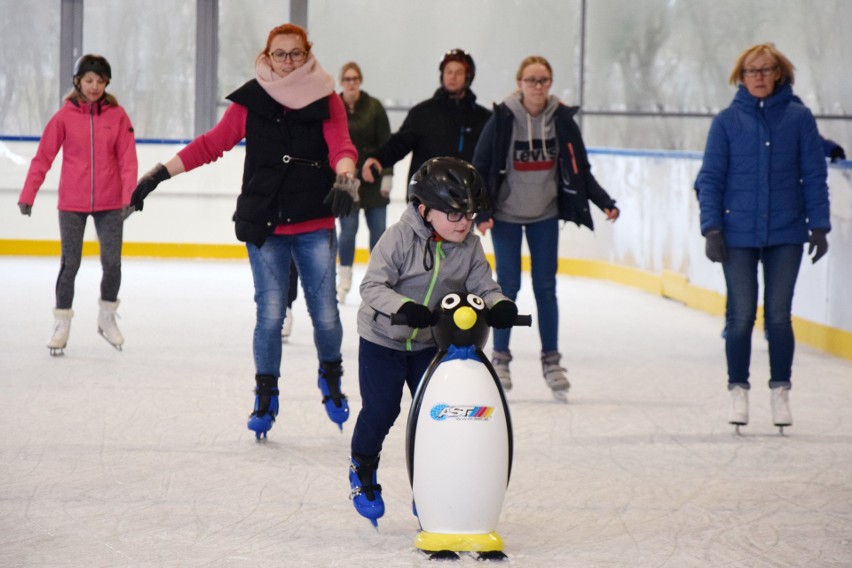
point(315, 256)
point(543, 244)
point(780, 270)
point(376, 222)
point(382, 374)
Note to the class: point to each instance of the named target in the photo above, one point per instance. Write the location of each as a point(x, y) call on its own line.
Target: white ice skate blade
point(116, 345)
point(560, 396)
point(57, 351)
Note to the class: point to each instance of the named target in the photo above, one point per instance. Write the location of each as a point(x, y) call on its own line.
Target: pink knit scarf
point(300, 88)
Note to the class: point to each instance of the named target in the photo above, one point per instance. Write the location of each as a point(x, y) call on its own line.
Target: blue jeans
point(382, 372)
point(315, 255)
point(543, 244)
point(376, 223)
point(780, 270)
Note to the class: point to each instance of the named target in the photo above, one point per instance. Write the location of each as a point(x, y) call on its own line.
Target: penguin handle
point(400, 318)
point(523, 320)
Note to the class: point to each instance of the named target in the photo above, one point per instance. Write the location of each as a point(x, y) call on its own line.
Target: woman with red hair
point(298, 176)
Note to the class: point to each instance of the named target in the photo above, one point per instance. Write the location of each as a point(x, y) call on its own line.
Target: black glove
point(25, 209)
point(147, 184)
point(343, 195)
point(503, 314)
point(715, 248)
point(418, 315)
point(817, 242)
point(837, 154)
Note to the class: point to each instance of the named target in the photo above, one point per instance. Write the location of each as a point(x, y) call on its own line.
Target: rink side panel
point(655, 245)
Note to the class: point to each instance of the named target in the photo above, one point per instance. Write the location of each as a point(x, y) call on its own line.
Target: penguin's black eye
point(450, 301)
point(475, 301)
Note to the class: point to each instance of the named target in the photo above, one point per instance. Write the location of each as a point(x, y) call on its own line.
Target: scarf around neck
point(300, 88)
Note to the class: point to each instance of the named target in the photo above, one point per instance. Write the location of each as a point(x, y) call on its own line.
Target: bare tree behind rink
point(153, 64)
point(30, 78)
point(654, 68)
point(648, 73)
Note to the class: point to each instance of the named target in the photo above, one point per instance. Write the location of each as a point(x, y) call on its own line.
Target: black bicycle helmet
point(462, 57)
point(94, 63)
point(448, 184)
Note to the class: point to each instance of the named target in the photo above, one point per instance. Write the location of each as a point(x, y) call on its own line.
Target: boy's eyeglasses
point(456, 216)
point(296, 56)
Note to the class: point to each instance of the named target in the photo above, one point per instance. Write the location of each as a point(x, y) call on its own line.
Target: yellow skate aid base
point(433, 542)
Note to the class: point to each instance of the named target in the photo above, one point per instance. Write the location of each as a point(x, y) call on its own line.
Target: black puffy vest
point(286, 174)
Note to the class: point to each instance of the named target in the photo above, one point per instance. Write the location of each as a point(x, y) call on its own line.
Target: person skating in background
point(533, 160)
point(298, 175)
point(99, 170)
point(762, 193)
point(448, 124)
point(369, 128)
point(428, 253)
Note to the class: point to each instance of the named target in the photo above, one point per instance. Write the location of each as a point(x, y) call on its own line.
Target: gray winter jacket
point(401, 268)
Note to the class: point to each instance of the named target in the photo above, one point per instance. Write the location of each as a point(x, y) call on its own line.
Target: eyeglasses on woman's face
point(538, 81)
point(296, 56)
point(456, 216)
point(351, 79)
point(762, 72)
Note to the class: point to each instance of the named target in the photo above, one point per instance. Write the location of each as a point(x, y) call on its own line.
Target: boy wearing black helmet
point(428, 253)
point(448, 124)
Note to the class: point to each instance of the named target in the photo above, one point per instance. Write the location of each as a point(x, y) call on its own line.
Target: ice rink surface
point(142, 457)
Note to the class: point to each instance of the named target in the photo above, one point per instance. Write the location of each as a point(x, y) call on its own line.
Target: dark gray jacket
point(401, 267)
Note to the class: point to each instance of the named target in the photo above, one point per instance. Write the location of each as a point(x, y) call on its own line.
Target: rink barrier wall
point(668, 284)
point(655, 246)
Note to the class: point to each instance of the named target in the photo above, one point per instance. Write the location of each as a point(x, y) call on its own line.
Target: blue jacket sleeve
point(814, 176)
point(712, 177)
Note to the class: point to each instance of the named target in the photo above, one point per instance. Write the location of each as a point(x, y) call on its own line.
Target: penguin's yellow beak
point(464, 318)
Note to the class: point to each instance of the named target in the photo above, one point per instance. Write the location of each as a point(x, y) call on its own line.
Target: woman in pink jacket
point(99, 171)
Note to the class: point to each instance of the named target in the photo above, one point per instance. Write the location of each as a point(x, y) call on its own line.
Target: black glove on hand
point(25, 209)
point(418, 315)
point(503, 314)
point(147, 184)
point(715, 248)
point(343, 195)
point(837, 154)
point(817, 242)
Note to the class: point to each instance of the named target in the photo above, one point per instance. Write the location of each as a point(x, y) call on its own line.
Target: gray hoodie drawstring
point(530, 131)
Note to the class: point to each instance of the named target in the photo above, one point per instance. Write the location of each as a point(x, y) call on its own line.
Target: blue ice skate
point(265, 405)
point(336, 405)
point(366, 493)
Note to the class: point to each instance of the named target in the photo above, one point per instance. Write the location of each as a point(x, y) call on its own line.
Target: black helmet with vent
point(448, 184)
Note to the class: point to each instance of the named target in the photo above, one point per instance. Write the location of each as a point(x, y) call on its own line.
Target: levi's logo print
point(537, 158)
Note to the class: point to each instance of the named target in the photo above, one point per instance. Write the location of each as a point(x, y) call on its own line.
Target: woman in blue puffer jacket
point(763, 194)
